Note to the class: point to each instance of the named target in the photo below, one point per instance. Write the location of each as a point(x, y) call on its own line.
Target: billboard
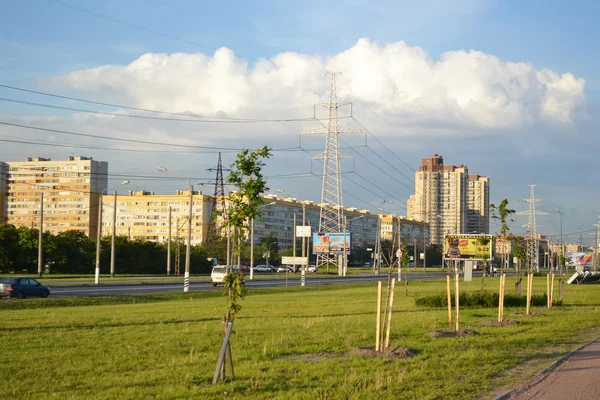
point(579, 259)
point(468, 247)
point(331, 243)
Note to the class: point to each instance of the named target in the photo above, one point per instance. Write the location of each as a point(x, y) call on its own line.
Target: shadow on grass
point(111, 325)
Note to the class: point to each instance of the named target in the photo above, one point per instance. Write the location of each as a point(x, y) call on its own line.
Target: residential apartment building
point(449, 199)
point(278, 221)
point(70, 190)
point(3, 189)
point(410, 230)
point(144, 215)
point(478, 204)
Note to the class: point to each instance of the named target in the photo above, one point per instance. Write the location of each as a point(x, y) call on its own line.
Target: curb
point(541, 375)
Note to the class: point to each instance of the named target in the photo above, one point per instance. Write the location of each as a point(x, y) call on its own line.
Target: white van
point(217, 274)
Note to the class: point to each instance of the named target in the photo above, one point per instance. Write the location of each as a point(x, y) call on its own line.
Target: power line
point(134, 140)
point(380, 169)
point(139, 27)
point(112, 114)
point(384, 146)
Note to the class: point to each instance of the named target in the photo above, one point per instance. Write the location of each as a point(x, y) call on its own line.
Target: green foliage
point(405, 257)
point(483, 299)
point(502, 214)
point(246, 176)
point(235, 289)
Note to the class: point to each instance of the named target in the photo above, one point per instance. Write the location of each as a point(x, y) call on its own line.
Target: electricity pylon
point(332, 206)
point(218, 202)
point(533, 249)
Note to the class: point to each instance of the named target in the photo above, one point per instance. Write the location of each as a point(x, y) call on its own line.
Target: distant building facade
point(71, 191)
point(143, 215)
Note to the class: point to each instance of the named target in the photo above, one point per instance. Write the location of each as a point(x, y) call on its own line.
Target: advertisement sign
point(303, 231)
point(579, 259)
point(331, 243)
point(468, 247)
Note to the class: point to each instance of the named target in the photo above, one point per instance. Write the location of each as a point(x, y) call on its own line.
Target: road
point(116, 290)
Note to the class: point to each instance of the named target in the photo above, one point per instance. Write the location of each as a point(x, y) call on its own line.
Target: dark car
point(21, 287)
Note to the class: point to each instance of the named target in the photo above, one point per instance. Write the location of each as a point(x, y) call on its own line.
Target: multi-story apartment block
point(145, 216)
point(440, 197)
point(449, 199)
point(410, 229)
point(3, 188)
point(478, 204)
point(278, 221)
point(70, 190)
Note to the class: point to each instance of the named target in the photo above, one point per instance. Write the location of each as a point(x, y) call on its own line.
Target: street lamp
point(41, 231)
point(562, 248)
point(345, 261)
point(188, 249)
point(99, 234)
point(252, 241)
point(269, 252)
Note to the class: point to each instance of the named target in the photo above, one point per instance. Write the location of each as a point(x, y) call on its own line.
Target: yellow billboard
point(472, 247)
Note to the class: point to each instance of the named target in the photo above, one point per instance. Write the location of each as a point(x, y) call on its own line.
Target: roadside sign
point(293, 260)
point(399, 253)
point(303, 231)
point(421, 256)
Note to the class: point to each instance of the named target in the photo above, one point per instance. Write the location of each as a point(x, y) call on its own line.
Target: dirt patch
point(506, 322)
point(444, 333)
point(391, 353)
point(313, 357)
point(522, 314)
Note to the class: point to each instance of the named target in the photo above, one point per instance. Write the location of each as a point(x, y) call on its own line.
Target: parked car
point(312, 268)
point(284, 268)
point(21, 287)
point(264, 268)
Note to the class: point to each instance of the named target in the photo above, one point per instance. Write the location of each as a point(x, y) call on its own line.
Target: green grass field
point(287, 343)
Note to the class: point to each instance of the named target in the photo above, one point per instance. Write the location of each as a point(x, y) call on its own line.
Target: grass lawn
point(287, 343)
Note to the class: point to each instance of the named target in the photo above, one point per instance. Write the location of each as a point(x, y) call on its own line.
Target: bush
point(482, 299)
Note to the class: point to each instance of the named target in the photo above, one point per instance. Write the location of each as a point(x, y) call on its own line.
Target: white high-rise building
point(449, 199)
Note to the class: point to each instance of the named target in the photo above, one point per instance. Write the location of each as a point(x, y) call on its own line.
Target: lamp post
point(269, 252)
point(345, 262)
point(99, 234)
point(562, 248)
point(252, 241)
point(188, 248)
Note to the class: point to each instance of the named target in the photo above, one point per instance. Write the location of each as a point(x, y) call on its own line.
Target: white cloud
point(397, 81)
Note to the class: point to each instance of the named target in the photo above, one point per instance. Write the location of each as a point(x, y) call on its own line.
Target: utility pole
point(595, 253)
point(186, 278)
point(98, 239)
point(41, 238)
point(177, 249)
point(218, 203)
point(332, 210)
point(169, 245)
point(533, 249)
point(113, 241)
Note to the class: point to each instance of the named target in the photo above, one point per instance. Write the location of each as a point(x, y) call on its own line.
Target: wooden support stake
point(551, 290)
point(389, 321)
point(457, 295)
point(548, 291)
point(500, 298)
point(222, 354)
point(378, 316)
point(529, 279)
point(449, 302)
point(503, 291)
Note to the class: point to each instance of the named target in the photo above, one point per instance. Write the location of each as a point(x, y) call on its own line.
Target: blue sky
point(42, 43)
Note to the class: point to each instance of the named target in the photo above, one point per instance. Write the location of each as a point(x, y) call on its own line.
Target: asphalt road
point(116, 290)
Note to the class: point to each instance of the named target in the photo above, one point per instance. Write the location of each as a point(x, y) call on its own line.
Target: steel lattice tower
point(533, 250)
point(218, 203)
point(332, 209)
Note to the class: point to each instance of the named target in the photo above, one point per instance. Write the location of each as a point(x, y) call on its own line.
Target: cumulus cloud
point(396, 81)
